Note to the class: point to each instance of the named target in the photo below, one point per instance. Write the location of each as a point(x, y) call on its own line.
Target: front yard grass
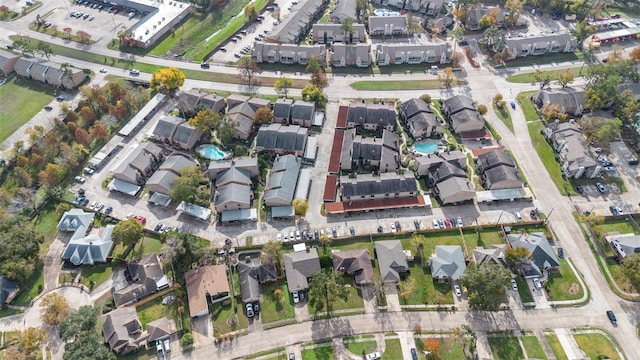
point(31, 287)
point(393, 349)
point(271, 309)
point(20, 100)
point(98, 274)
point(361, 347)
point(221, 313)
point(547, 155)
point(528, 108)
point(533, 348)
point(148, 245)
point(354, 301)
point(556, 346)
point(559, 284)
point(449, 350)
point(504, 116)
point(596, 346)
point(46, 224)
point(506, 348)
point(155, 310)
point(395, 85)
point(320, 353)
point(524, 291)
point(428, 291)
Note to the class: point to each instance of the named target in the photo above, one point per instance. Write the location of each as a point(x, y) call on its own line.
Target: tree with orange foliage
point(634, 54)
point(432, 346)
point(99, 131)
point(82, 137)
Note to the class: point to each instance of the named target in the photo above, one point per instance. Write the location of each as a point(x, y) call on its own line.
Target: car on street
point(615, 16)
point(79, 179)
point(612, 317)
point(134, 72)
point(249, 308)
point(204, 65)
point(435, 224)
point(352, 230)
point(414, 354)
point(373, 356)
point(513, 105)
point(103, 70)
point(48, 108)
point(296, 297)
point(537, 284)
point(514, 285)
point(601, 187)
point(457, 290)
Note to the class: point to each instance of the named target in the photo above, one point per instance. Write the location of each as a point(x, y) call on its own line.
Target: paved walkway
point(569, 344)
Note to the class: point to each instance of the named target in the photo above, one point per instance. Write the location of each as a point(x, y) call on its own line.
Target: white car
point(167, 346)
point(457, 290)
point(435, 224)
point(296, 297)
point(514, 285)
point(134, 72)
point(249, 310)
point(279, 237)
point(373, 356)
point(103, 70)
point(79, 179)
point(537, 283)
point(393, 227)
point(460, 221)
point(518, 216)
point(159, 349)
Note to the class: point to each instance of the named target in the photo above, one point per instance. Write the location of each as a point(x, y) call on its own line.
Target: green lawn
point(547, 155)
point(361, 347)
point(533, 348)
point(527, 78)
point(484, 238)
point(8, 312)
point(31, 287)
point(524, 291)
point(611, 225)
point(556, 346)
point(596, 346)
point(559, 284)
point(395, 85)
point(354, 301)
point(20, 100)
point(393, 349)
point(449, 350)
point(527, 106)
point(428, 291)
point(191, 25)
point(46, 224)
point(221, 312)
point(504, 116)
point(98, 274)
point(506, 348)
point(270, 308)
point(321, 353)
point(155, 310)
point(149, 245)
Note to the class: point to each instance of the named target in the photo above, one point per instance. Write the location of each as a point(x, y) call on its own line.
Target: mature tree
point(53, 174)
point(514, 9)
point(631, 269)
point(78, 321)
point(486, 285)
point(315, 94)
point(495, 39)
point(457, 59)
point(543, 78)
point(124, 35)
point(463, 336)
point(588, 58)
point(263, 115)
point(300, 206)
point(99, 131)
point(128, 232)
point(319, 79)
point(413, 23)
point(517, 258)
point(626, 107)
point(426, 98)
point(187, 187)
point(225, 133)
point(282, 86)
point(551, 112)
point(461, 13)
point(248, 69)
point(582, 31)
point(432, 347)
point(53, 309)
point(89, 345)
point(182, 251)
point(482, 109)
point(406, 288)
point(599, 130)
point(272, 253)
point(488, 20)
point(447, 78)
point(324, 241)
point(616, 54)
point(29, 345)
point(44, 49)
point(250, 11)
point(325, 288)
point(20, 245)
point(457, 34)
point(497, 99)
point(348, 30)
point(167, 80)
point(313, 65)
point(634, 54)
point(565, 78)
point(206, 120)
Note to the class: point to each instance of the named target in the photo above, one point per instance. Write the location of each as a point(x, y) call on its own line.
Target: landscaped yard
point(31, 288)
point(224, 318)
point(596, 346)
point(565, 285)
point(393, 349)
point(449, 349)
point(98, 274)
point(533, 348)
point(321, 353)
point(524, 291)
point(383, 85)
point(506, 348)
point(556, 346)
point(273, 309)
point(428, 291)
point(354, 301)
point(20, 100)
point(360, 346)
point(155, 310)
point(528, 109)
point(46, 225)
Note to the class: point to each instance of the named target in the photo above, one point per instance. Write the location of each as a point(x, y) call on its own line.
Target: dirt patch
point(574, 289)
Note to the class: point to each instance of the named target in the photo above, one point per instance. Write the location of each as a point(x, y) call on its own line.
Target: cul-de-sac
point(319, 179)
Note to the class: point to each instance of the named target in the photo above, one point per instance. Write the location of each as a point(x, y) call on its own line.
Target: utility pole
point(548, 216)
point(500, 217)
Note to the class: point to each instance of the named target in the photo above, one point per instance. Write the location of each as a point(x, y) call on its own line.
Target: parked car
point(414, 354)
point(518, 216)
point(316, 235)
point(352, 230)
point(103, 70)
point(141, 218)
point(279, 237)
point(79, 179)
point(398, 227)
point(435, 224)
point(134, 72)
point(298, 235)
point(335, 233)
point(296, 297)
point(416, 223)
point(612, 317)
point(88, 171)
point(256, 307)
point(393, 227)
point(601, 187)
point(159, 349)
point(204, 65)
point(48, 108)
point(537, 284)
point(514, 285)
point(373, 356)
point(457, 290)
point(460, 221)
point(613, 209)
point(447, 224)
point(249, 308)
point(167, 345)
point(441, 223)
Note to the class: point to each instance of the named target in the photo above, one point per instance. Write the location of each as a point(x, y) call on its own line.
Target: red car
point(141, 219)
point(447, 223)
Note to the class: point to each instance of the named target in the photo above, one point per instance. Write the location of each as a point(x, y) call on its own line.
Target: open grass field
point(20, 100)
point(596, 346)
point(396, 85)
point(506, 348)
point(556, 346)
point(533, 348)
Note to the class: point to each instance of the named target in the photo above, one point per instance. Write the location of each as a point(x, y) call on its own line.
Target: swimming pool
point(426, 147)
point(385, 12)
point(212, 152)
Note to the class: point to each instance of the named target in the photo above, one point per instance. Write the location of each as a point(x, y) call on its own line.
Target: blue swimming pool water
point(212, 152)
point(385, 12)
point(427, 147)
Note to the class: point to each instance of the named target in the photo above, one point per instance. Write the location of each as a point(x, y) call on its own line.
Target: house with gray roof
point(456, 104)
point(447, 263)
point(265, 52)
point(147, 277)
point(410, 53)
point(622, 244)
point(296, 24)
point(466, 121)
point(257, 103)
point(8, 61)
point(37, 71)
point(190, 100)
point(8, 290)
point(234, 100)
point(392, 260)
point(123, 331)
point(302, 113)
point(186, 136)
point(161, 329)
point(371, 116)
point(388, 25)
point(427, 164)
point(521, 46)
point(299, 266)
point(455, 190)
point(419, 120)
point(166, 127)
point(139, 164)
point(444, 171)
point(383, 186)
point(356, 263)
point(85, 247)
point(22, 67)
point(344, 9)
point(282, 111)
point(242, 118)
point(542, 256)
point(475, 14)
point(213, 102)
point(575, 157)
point(282, 139)
point(233, 189)
point(380, 153)
point(252, 272)
point(282, 181)
point(248, 163)
point(571, 100)
point(343, 55)
point(331, 33)
point(494, 254)
point(502, 177)
point(162, 180)
point(494, 158)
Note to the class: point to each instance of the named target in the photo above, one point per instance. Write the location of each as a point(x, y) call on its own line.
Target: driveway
point(301, 312)
point(391, 294)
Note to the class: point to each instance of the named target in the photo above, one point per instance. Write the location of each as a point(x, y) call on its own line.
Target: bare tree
point(248, 69)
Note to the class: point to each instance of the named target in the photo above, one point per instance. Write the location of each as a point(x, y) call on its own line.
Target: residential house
point(372, 116)
point(388, 25)
point(285, 53)
point(622, 244)
point(575, 157)
point(248, 163)
point(455, 190)
point(281, 139)
point(443, 172)
point(296, 24)
point(8, 290)
point(332, 33)
point(343, 55)
point(440, 25)
point(302, 113)
point(494, 254)
point(233, 189)
point(392, 260)
point(191, 100)
point(212, 102)
point(234, 100)
point(242, 118)
point(37, 71)
point(447, 263)
point(71, 79)
point(160, 329)
point(540, 45)
point(186, 136)
point(140, 164)
point(162, 180)
point(542, 256)
point(461, 113)
point(122, 330)
point(433, 7)
point(570, 100)
point(299, 266)
point(147, 277)
point(380, 153)
point(475, 14)
point(456, 104)
point(410, 53)
point(384, 186)
point(282, 181)
point(419, 120)
point(344, 9)
point(165, 128)
point(252, 272)
point(206, 284)
point(355, 263)
point(22, 67)
point(84, 247)
point(494, 158)
point(8, 61)
point(282, 111)
point(502, 177)
point(427, 164)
